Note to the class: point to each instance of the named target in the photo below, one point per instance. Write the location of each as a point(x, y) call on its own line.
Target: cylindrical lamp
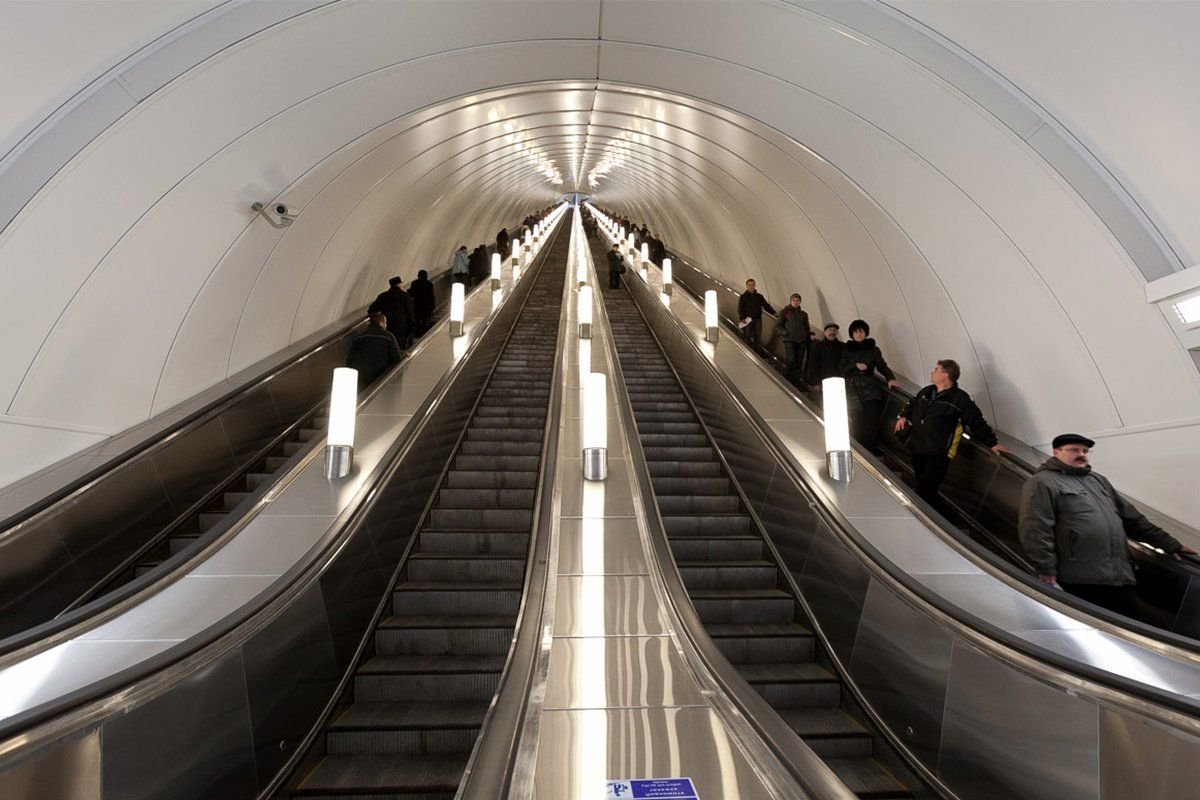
point(585, 312)
point(668, 277)
point(621, 233)
point(581, 270)
point(645, 252)
point(516, 271)
point(838, 458)
point(458, 304)
point(528, 239)
point(495, 271)
point(595, 427)
point(516, 251)
point(343, 405)
point(710, 315)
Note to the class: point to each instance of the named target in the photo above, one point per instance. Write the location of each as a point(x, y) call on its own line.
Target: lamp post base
point(712, 334)
point(339, 459)
point(495, 284)
point(668, 289)
point(456, 327)
point(595, 463)
point(585, 330)
point(840, 464)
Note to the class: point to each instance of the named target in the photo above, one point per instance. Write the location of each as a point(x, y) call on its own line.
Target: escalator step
point(867, 778)
point(423, 776)
point(707, 525)
point(445, 634)
point(452, 597)
point(725, 574)
point(687, 504)
point(477, 447)
point(496, 519)
point(485, 498)
point(716, 548)
point(407, 728)
point(685, 469)
point(504, 434)
point(474, 568)
point(480, 479)
point(693, 484)
point(452, 540)
point(723, 605)
point(670, 453)
point(505, 463)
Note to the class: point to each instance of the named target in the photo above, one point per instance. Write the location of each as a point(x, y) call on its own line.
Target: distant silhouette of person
point(373, 351)
point(397, 307)
point(421, 292)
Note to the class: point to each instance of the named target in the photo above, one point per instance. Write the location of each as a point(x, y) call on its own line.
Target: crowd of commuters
point(1073, 525)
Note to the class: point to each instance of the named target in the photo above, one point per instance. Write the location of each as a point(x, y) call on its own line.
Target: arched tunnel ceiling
point(763, 140)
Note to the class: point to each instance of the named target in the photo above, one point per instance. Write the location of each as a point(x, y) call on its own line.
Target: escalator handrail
point(293, 581)
point(983, 633)
point(1028, 583)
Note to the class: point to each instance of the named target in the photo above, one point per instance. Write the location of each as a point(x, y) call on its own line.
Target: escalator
point(112, 532)
point(413, 710)
point(980, 499)
point(734, 585)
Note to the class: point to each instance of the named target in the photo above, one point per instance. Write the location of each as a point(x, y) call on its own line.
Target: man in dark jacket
point(502, 243)
point(934, 421)
point(751, 306)
point(477, 264)
point(396, 305)
point(792, 325)
point(616, 266)
point(1073, 526)
point(373, 351)
point(421, 292)
point(825, 355)
point(861, 360)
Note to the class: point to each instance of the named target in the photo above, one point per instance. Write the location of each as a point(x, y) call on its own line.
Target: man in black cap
point(421, 292)
point(397, 306)
point(616, 265)
point(1073, 526)
point(373, 351)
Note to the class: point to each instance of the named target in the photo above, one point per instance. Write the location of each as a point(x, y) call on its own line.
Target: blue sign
point(652, 789)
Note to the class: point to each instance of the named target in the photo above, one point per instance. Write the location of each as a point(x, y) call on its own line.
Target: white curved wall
point(762, 139)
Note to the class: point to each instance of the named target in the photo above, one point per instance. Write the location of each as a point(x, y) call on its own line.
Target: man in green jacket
point(1073, 526)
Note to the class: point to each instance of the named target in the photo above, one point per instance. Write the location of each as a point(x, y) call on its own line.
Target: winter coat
point(421, 292)
point(1074, 525)
point(371, 353)
point(936, 423)
point(792, 324)
point(752, 305)
point(864, 387)
point(825, 359)
point(397, 306)
point(461, 263)
point(616, 262)
point(502, 243)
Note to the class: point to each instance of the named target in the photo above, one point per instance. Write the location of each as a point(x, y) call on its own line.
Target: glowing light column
point(458, 304)
point(343, 406)
point(838, 458)
point(595, 427)
point(668, 277)
point(711, 332)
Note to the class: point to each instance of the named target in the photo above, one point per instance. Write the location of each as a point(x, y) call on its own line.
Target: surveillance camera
point(279, 215)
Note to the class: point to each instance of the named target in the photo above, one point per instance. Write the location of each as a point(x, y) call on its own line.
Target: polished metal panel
point(397, 397)
point(618, 671)
point(1007, 735)
point(153, 751)
point(610, 546)
point(183, 609)
point(339, 460)
point(580, 750)
point(903, 541)
point(613, 499)
point(190, 466)
point(595, 464)
point(901, 662)
point(1143, 761)
point(310, 493)
point(839, 464)
point(1107, 652)
point(291, 671)
point(835, 584)
point(67, 769)
point(268, 546)
point(635, 612)
point(1001, 605)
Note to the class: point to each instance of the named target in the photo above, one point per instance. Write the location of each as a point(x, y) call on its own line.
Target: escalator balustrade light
point(516, 252)
point(581, 270)
point(495, 271)
point(838, 459)
point(595, 427)
point(585, 312)
point(516, 271)
point(711, 332)
point(645, 253)
point(458, 302)
point(343, 405)
point(621, 233)
point(528, 240)
point(668, 276)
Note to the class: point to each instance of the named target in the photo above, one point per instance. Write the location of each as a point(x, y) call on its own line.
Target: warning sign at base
point(652, 789)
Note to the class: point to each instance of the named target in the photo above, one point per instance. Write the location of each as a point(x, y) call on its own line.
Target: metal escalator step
point(490, 479)
point(694, 485)
point(431, 634)
point(723, 605)
point(485, 498)
point(473, 568)
point(670, 453)
point(681, 432)
point(455, 597)
point(365, 776)
point(291, 448)
point(233, 499)
point(256, 480)
point(406, 728)
point(505, 463)
point(508, 422)
point(208, 519)
point(715, 548)
point(274, 463)
point(452, 540)
point(688, 504)
point(693, 525)
point(424, 678)
point(867, 778)
point(486, 519)
point(681, 440)
point(478, 447)
point(660, 416)
point(786, 673)
point(766, 649)
point(725, 574)
point(180, 543)
point(685, 469)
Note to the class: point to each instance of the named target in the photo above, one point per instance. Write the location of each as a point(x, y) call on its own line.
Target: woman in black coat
point(861, 359)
